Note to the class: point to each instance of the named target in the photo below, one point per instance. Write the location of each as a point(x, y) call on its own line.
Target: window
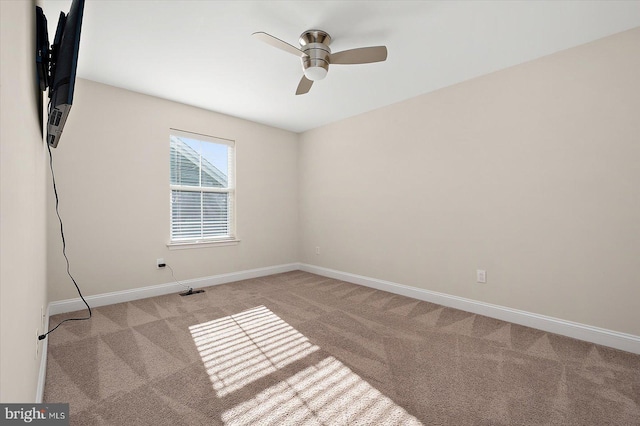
point(202, 188)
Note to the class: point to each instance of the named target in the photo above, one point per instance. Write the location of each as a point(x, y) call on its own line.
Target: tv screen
point(63, 64)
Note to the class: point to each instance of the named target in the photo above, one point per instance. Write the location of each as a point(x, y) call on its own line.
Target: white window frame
point(231, 238)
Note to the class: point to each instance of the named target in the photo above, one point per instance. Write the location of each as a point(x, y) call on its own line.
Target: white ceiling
point(201, 52)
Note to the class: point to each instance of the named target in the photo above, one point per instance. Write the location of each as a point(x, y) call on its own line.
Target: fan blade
point(304, 86)
point(276, 42)
point(363, 55)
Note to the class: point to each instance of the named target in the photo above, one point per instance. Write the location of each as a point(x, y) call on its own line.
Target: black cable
point(64, 253)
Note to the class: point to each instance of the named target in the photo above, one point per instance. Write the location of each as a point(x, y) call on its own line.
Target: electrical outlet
point(42, 318)
point(317, 250)
point(160, 263)
point(481, 276)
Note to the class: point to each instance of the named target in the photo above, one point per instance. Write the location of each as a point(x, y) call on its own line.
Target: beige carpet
point(301, 349)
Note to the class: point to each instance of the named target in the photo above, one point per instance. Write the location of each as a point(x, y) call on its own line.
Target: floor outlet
point(191, 291)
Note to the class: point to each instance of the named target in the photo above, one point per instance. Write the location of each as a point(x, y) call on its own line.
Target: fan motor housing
point(315, 43)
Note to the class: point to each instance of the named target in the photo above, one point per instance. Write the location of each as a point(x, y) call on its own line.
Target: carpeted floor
point(301, 349)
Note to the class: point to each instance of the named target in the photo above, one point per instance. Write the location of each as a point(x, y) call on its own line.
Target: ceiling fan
point(316, 55)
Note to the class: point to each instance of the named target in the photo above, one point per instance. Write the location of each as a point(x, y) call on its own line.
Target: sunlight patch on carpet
point(240, 349)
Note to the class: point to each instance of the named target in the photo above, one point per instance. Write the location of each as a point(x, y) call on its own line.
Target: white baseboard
point(42, 373)
point(76, 304)
point(600, 336)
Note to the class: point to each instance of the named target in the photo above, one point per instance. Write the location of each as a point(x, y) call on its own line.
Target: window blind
point(202, 194)
point(198, 215)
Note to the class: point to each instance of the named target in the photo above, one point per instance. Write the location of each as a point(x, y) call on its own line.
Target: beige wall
point(112, 169)
point(22, 205)
point(531, 173)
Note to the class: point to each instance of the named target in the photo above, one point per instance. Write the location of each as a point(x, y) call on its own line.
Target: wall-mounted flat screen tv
point(58, 70)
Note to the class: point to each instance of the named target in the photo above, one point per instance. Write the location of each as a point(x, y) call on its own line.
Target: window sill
point(202, 244)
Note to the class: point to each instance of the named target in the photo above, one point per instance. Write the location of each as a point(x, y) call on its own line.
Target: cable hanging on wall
point(64, 253)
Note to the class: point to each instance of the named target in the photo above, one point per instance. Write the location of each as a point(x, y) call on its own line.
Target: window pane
point(215, 165)
point(186, 215)
point(215, 214)
point(199, 163)
point(185, 164)
point(197, 215)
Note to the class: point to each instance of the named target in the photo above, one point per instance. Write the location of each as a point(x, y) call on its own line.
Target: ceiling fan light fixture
point(315, 55)
point(315, 73)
